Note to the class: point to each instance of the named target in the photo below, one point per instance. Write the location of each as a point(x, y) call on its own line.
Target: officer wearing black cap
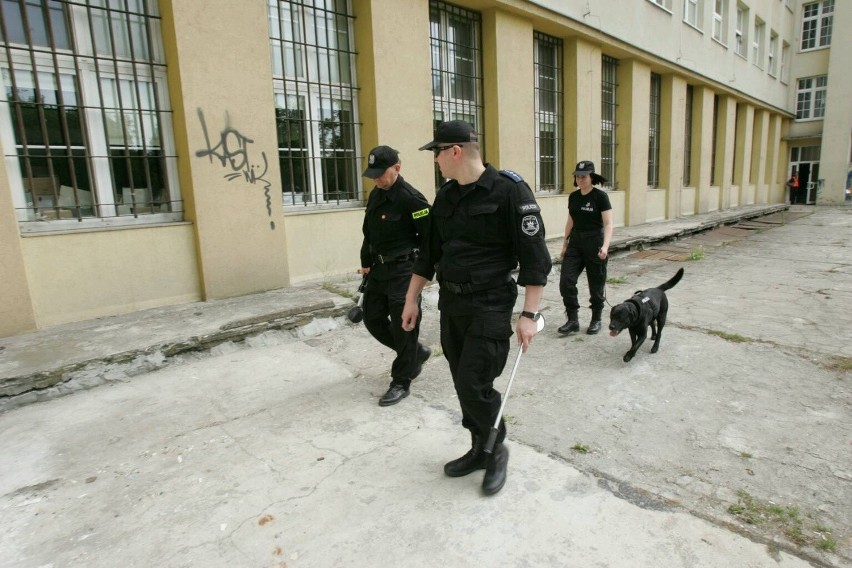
point(485, 223)
point(588, 232)
point(396, 225)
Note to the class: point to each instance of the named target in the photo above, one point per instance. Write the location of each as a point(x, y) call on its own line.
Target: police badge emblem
point(530, 225)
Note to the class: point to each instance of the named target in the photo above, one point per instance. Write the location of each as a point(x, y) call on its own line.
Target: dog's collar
point(638, 299)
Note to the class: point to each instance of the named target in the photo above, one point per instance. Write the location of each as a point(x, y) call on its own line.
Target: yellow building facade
point(158, 153)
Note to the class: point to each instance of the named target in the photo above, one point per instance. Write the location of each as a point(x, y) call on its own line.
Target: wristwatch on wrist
point(532, 315)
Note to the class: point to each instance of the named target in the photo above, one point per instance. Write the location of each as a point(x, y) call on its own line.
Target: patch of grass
point(616, 280)
point(696, 254)
point(839, 363)
point(335, 289)
point(733, 337)
point(801, 530)
point(580, 448)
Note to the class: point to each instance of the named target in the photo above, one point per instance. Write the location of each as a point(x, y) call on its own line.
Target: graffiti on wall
point(233, 153)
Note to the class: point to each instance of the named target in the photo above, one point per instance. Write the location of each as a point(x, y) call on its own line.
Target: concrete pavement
point(277, 454)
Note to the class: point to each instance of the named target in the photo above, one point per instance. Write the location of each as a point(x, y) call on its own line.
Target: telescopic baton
point(492, 437)
point(356, 313)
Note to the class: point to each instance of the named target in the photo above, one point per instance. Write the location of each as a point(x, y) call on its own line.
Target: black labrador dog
point(646, 308)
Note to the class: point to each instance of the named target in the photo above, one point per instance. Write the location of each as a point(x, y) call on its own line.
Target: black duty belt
point(386, 259)
point(470, 287)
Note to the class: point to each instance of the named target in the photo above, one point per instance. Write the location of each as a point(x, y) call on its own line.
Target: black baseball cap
point(587, 168)
point(452, 132)
point(380, 159)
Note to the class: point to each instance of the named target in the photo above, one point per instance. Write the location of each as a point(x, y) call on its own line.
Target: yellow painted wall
point(633, 117)
point(134, 269)
point(16, 312)
point(324, 244)
point(395, 99)
point(508, 63)
point(220, 79)
point(582, 64)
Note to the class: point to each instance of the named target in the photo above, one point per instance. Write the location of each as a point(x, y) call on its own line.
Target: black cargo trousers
point(475, 333)
point(384, 299)
point(582, 253)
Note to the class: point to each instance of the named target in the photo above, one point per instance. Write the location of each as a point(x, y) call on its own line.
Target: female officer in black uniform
point(485, 223)
point(588, 232)
point(396, 226)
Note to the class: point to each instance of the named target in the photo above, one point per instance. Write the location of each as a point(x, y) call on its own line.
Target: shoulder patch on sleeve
point(526, 208)
point(514, 176)
point(418, 214)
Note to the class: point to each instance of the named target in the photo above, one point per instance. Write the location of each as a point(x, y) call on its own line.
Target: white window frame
point(757, 43)
point(772, 67)
point(692, 12)
point(80, 65)
point(811, 95)
point(817, 25)
point(720, 21)
point(318, 93)
point(741, 32)
point(785, 62)
point(664, 4)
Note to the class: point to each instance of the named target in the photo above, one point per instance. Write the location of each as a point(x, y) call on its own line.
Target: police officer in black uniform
point(588, 232)
point(485, 223)
point(396, 226)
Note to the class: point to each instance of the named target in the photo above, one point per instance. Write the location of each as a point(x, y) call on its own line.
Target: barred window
point(84, 114)
point(609, 87)
point(817, 22)
point(314, 87)
point(715, 140)
point(687, 138)
point(548, 113)
point(810, 97)
point(456, 46)
point(654, 131)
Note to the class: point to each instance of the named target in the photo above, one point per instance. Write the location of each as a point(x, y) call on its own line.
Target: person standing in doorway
point(588, 232)
point(396, 226)
point(485, 223)
point(793, 185)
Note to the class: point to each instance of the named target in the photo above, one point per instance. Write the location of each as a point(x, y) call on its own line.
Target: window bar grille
point(326, 127)
point(687, 139)
point(456, 93)
point(609, 122)
point(548, 111)
point(715, 139)
point(70, 65)
point(654, 134)
point(63, 120)
point(39, 107)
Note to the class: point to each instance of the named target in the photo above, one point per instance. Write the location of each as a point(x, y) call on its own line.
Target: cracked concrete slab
point(279, 456)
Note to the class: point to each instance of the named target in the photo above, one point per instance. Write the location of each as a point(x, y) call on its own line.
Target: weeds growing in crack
point(801, 529)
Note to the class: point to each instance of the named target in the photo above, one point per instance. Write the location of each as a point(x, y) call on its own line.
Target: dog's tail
point(674, 280)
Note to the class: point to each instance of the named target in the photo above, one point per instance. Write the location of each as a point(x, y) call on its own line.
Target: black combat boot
point(495, 473)
point(595, 324)
point(474, 459)
point(572, 325)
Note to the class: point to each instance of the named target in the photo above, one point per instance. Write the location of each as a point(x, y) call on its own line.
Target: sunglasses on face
point(438, 149)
